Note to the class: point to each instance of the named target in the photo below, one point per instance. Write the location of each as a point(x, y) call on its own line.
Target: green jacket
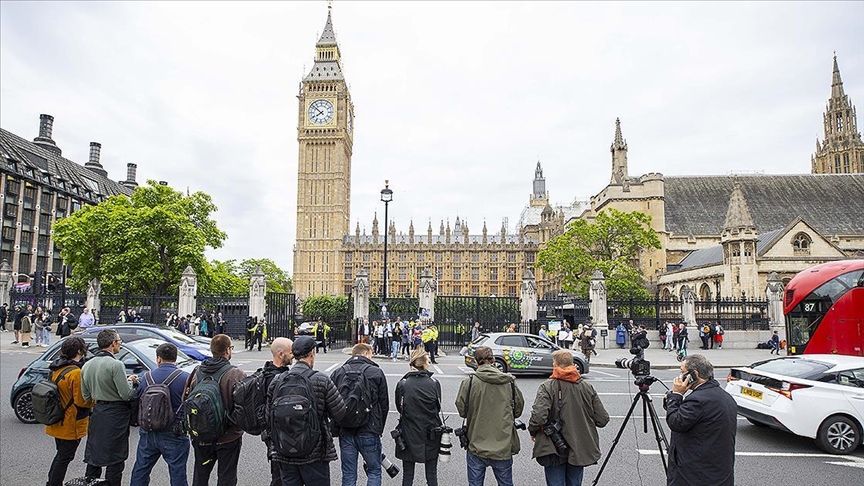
point(103, 378)
point(490, 412)
point(581, 413)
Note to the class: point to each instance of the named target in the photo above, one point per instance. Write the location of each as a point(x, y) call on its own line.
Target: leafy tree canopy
point(611, 243)
point(326, 307)
point(232, 278)
point(142, 242)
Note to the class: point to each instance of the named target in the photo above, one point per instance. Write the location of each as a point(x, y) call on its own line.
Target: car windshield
point(795, 367)
point(480, 340)
point(147, 347)
point(179, 336)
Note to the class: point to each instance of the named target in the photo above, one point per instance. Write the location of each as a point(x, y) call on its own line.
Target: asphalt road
point(764, 456)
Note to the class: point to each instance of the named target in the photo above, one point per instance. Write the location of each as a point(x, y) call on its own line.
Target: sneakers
point(14, 342)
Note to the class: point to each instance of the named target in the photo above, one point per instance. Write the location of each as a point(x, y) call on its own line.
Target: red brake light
point(787, 388)
point(22, 371)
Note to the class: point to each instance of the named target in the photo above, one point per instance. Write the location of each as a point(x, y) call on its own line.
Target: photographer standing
point(564, 421)
point(418, 401)
point(703, 425)
point(490, 402)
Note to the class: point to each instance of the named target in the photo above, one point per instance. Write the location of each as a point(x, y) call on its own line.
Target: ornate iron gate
point(53, 300)
point(455, 316)
point(234, 309)
point(281, 309)
point(151, 308)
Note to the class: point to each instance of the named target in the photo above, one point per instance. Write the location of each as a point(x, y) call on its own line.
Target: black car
point(138, 356)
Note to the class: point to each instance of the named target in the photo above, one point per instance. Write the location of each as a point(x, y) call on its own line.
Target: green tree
point(611, 243)
point(278, 280)
point(142, 242)
point(327, 307)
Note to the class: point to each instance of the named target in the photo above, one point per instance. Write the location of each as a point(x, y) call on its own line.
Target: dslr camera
point(398, 439)
point(462, 434)
point(553, 431)
point(520, 425)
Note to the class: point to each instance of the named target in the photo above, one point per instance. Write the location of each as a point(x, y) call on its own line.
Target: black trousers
point(66, 450)
point(431, 472)
point(314, 474)
point(223, 456)
point(113, 473)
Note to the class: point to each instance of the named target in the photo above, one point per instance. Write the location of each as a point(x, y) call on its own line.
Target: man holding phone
point(703, 425)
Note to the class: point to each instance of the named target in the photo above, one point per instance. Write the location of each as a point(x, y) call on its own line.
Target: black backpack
point(47, 408)
point(292, 416)
point(204, 415)
point(249, 403)
point(356, 391)
point(155, 412)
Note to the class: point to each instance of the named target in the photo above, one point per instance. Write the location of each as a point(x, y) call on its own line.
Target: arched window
point(846, 164)
point(801, 244)
point(666, 293)
point(836, 163)
point(704, 292)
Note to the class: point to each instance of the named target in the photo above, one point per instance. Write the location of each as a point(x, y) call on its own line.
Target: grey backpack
point(155, 412)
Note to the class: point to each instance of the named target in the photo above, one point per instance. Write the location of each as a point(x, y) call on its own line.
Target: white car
point(817, 396)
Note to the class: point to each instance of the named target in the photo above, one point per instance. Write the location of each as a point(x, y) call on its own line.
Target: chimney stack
point(131, 171)
point(46, 128)
point(93, 164)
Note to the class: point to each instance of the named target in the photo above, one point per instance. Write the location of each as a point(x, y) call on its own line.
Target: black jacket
point(330, 405)
point(418, 401)
point(380, 399)
point(703, 425)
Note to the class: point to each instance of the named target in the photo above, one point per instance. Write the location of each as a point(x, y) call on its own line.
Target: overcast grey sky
point(454, 101)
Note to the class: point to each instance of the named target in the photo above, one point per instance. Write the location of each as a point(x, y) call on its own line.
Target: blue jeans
point(369, 446)
point(564, 475)
point(394, 349)
point(46, 336)
point(151, 445)
point(503, 470)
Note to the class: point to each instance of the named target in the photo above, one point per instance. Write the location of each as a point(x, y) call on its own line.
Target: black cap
point(303, 346)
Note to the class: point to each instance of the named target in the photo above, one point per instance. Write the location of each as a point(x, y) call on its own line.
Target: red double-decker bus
point(824, 307)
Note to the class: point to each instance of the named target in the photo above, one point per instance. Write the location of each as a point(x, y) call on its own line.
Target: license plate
point(752, 393)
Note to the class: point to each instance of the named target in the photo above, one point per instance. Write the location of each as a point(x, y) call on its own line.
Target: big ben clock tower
point(325, 136)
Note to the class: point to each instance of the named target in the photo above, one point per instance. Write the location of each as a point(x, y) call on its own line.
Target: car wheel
point(580, 367)
point(838, 435)
point(24, 407)
point(757, 424)
point(501, 365)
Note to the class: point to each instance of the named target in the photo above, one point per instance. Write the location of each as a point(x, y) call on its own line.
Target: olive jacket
point(494, 403)
point(581, 414)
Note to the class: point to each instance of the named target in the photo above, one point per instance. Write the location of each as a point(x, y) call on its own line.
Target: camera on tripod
point(638, 365)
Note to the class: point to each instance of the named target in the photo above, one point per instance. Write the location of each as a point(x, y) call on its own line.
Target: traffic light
point(52, 282)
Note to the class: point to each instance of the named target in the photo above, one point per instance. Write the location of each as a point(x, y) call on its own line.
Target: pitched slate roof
point(713, 255)
point(831, 203)
point(31, 158)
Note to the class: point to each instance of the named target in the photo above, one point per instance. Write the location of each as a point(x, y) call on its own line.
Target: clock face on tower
point(320, 112)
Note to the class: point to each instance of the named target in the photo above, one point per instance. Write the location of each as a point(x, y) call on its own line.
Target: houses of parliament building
point(687, 211)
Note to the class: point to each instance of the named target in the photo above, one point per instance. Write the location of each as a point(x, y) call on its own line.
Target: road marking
point(466, 370)
point(654, 452)
point(854, 462)
point(604, 373)
point(438, 369)
point(333, 366)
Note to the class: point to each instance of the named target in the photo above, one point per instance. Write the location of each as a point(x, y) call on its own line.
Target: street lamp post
point(386, 197)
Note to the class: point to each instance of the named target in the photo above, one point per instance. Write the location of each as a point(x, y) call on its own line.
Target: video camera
point(639, 366)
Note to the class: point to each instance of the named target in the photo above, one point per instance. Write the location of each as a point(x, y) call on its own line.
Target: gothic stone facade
point(39, 186)
point(841, 151)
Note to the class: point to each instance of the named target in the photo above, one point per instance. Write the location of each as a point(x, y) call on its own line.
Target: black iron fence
point(53, 300)
point(734, 314)
point(234, 309)
point(574, 311)
point(406, 307)
point(456, 315)
point(281, 309)
point(150, 308)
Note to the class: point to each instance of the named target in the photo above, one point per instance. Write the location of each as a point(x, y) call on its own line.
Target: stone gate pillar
point(361, 294)
point(597, 296)
point(5, 284)
point(186, 304)
point(257, 293)
point(774, 292)
point(528, 297)
point(94, 301)
point(426, 295)
point(688, 305)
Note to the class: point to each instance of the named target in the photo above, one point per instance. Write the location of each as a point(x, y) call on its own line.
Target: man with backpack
point(300, 404)
point(160, 399)
point(363, 387)
point(72, 426)
point(250, 398)
point(103, 379)
point(207, 400)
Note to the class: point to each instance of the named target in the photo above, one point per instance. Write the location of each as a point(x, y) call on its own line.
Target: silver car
point(519, 353)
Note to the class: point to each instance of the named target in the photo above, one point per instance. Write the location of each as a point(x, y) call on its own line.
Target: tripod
point(644, 384)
